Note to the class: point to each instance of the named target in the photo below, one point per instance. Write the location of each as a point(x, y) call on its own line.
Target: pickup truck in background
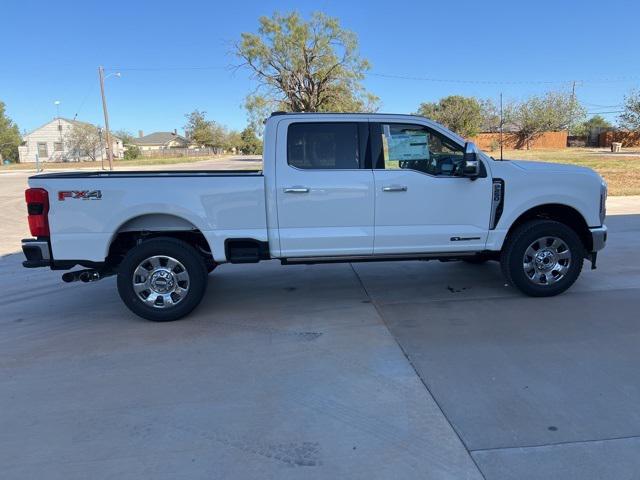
point(334, 187)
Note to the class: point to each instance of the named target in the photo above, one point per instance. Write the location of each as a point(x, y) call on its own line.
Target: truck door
point(324, 192)
point(420, 203)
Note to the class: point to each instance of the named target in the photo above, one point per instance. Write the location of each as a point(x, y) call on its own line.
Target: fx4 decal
point(80, 194)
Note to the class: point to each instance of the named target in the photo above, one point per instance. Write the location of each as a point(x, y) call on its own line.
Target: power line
point(601, 106)
point(469, 81)
point(503, 82)
point(171, 68)
point(158, 68)
point(602, 113)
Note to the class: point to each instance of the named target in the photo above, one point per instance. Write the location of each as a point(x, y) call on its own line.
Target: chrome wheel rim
point(161, 281)
point(547, 260)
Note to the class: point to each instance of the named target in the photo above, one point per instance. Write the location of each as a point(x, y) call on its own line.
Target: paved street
point(380, 370)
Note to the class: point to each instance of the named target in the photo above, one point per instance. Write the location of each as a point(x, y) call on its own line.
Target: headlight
point(603, 201)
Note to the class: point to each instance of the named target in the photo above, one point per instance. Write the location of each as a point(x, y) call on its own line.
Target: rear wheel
point(162, 279)
point(542, 258)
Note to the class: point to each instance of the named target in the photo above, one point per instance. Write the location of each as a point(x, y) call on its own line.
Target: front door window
point(414, 147)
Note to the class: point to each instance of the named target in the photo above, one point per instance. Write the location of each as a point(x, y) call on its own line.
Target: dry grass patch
point(621, 171)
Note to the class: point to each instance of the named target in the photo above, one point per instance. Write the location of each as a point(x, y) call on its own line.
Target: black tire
point(512, 258)
point(188, 258)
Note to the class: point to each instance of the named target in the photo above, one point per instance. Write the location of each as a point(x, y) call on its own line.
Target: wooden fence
point(491, 141)
point(627, 138)
point(181, 152)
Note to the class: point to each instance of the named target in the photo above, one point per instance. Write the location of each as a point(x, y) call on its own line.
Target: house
point(49, 142)
point(161, 141)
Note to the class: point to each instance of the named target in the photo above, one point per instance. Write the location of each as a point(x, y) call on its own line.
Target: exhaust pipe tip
point(85, 276)
point(71, 277)
point(89, 276)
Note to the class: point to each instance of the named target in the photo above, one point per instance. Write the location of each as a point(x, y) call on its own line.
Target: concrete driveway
point(380, 370)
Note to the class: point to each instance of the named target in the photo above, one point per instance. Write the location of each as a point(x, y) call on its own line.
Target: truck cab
point(334, 187)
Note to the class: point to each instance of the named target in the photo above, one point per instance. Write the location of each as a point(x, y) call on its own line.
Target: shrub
point(132, 152)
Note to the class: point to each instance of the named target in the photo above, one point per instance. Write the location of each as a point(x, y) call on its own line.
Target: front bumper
point(598, 238)
point(36, 252)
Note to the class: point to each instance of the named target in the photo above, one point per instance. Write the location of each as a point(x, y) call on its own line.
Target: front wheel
point(162, 279)
point(542, 258)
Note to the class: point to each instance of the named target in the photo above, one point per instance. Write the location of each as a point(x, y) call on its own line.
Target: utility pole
point(573, 104)
point(501, 124)
point(106, 118)
point(101, 147)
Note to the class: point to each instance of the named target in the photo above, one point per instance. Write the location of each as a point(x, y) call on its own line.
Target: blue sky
point(52, 50)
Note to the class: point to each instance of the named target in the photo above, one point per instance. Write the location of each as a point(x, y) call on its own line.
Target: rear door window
point(325, 146)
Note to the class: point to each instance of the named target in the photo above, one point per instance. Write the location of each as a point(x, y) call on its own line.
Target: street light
point(106, 113)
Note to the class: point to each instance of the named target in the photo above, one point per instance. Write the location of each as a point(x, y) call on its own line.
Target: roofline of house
point(69, 121)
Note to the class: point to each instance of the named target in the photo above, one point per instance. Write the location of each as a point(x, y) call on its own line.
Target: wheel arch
point(153, 225)
point(560, 213)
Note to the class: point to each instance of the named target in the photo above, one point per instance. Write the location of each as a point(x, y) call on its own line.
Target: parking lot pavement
point(380, 370)
point(282, 372)
point(536, 388)
point(285, 372)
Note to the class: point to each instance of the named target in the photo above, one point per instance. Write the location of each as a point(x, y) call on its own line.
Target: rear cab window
point(326, 146)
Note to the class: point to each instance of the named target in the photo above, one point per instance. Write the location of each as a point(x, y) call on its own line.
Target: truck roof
point(366, 114)
point(406, 116)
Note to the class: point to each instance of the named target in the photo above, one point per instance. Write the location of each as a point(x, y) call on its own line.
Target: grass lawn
point(117, 163)
point(620, 170)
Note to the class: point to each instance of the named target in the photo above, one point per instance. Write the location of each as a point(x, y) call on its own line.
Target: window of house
point(323, 145)
point(42, 150)
point(414, 147)
point(57, 146)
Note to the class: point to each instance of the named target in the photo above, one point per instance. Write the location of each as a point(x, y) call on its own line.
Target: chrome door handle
point(395, 188)
point(296, 190)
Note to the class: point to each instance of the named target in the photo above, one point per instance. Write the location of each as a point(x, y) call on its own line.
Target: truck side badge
point(80, 194)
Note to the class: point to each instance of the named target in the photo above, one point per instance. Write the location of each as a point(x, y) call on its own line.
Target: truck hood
point(541, 167)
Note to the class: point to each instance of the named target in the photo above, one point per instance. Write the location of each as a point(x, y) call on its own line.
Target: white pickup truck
point(334, 188)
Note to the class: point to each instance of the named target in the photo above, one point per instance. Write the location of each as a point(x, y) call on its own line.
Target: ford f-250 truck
point(334, 188)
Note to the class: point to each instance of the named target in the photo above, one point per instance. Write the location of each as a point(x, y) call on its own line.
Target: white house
point(49, 143)
point(161, 141)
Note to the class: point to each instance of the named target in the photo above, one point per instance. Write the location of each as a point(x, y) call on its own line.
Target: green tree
point(553, 111)
point(220, 136)
point(125, 135)
point(199, 129)
point(304, 66)
point(595, 122)
point(250, 143)
point(132, 152)
point(490, 116)
point(9, 137)
point(463, 115)
point(630, 117)
point(83, 140)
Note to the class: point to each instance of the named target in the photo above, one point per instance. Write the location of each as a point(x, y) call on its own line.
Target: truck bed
point(88, 209)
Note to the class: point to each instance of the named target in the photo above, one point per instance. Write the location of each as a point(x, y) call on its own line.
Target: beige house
point(49, 143)
point(161, 141)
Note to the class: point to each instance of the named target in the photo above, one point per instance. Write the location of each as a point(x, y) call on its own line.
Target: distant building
point(49, 143)
point(161, 141)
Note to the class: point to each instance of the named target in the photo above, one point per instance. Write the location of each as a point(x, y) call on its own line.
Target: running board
point(376, 258)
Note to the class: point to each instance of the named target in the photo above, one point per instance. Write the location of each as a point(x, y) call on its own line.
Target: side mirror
point(470, 161)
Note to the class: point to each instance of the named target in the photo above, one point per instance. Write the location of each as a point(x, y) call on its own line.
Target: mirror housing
point(470, 161)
